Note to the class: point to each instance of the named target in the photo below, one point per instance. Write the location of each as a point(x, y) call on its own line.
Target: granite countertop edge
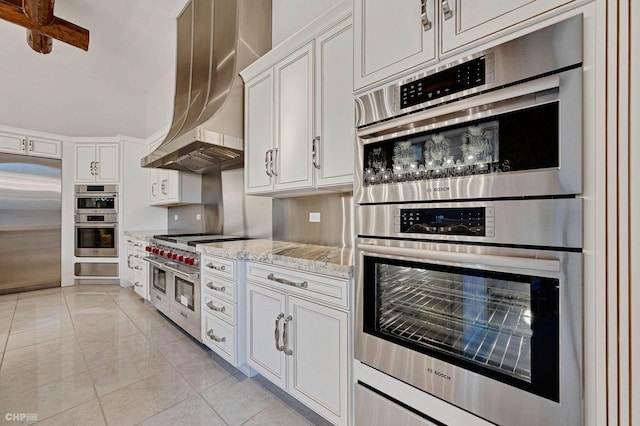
point(324, 260)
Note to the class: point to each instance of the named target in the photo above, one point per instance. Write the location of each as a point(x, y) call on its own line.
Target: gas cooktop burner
point(194, 239)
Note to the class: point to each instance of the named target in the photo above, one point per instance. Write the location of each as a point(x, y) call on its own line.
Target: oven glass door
point(96, 239)
point(96, 203)
point(501, 325)
point(184, 292)
point(526, 139)
point(159, 279)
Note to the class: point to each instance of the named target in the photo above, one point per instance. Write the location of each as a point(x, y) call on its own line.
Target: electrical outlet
point(175, 217)
point(314, 216)
point(198, 216)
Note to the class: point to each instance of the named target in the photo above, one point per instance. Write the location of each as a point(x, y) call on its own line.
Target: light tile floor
point(98, 354)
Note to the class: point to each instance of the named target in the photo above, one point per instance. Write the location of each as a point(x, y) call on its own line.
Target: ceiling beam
point(59, 28)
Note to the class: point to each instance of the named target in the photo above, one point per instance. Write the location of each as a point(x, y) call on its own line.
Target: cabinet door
point(294, 123)
point(335, 138)
point(153, 188)
point(107, 159)
point(85, 160)
point(168, 186)
point(44, 147)
point(318, 366)
point(12, 144)
point(471, 20)
point(258, 133)
point(265, 309)
point(391, 37)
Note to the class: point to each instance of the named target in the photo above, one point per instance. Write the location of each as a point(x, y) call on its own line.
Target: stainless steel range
point(174, 276)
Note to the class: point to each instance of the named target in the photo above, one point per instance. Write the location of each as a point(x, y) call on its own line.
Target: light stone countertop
point(333, 261)
point(144, 234)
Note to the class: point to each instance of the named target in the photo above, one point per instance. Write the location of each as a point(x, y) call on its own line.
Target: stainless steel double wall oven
point(469, 225)
point(96, 221)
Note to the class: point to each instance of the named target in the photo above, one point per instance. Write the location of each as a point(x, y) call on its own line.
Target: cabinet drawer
point(220, 308)
point(219, 288)
point(220, 267)
point(319, 287)
point(219, 337)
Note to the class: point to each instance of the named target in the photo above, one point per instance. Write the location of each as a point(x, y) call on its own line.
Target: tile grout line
point(6, 342)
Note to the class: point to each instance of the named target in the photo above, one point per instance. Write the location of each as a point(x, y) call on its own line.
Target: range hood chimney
point(216, 40)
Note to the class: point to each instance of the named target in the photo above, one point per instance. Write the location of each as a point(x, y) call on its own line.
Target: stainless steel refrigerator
point(30, 217)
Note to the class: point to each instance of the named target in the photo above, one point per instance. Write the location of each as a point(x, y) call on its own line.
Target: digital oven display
point(446, 221)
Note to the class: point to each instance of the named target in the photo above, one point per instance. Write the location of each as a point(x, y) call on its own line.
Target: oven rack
point(496, 336)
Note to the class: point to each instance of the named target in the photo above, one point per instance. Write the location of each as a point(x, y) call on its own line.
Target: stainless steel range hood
point(216, 40)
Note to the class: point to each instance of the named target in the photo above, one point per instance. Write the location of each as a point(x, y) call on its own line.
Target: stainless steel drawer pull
point(139, 268)
point(314, 152)
point(215, 338)
point(217, 268)
point(137, 284)
point(267, 162)
point(272, 277)
point(213, 307)
point(285, 336)
point(213, 287)
point(446, 10)
point(184, 315)
point(279, 347)
point(158, 297)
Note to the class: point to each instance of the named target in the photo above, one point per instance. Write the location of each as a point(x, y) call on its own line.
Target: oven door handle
point(548, 265)
point(164, 266)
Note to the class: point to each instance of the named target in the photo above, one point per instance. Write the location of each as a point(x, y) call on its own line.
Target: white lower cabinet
point(297, 343)
point(136, 273)
point(223, 316)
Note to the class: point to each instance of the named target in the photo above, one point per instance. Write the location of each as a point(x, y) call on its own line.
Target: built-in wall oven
point(96, 235)
point(96, 199)
point(469, 230)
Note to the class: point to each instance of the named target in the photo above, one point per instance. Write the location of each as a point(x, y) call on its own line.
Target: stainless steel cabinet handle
point(274, 160)
point(267, 163)
point(154, 187)
point(213, 287)
point(137, 284)
point(272, 277)
point(139, 268)
point(129, 261)
point(23, 144)
point(30, 145)
point(314, 152)
point(217, 268)
point(215, 338)
point(92, 168)
point(213, 307)
point(184, 315)
point(137, 245)
point(285, 336)
point(426, 23)
point(163, 186)
point(97, 168)
point(446, 10)
point(276, 333)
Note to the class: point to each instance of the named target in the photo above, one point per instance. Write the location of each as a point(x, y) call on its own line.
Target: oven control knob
point(181, 258)
point(169, 254)
point(189, 261)
point(148, 248)
point(161, 252)
point(155, 250)
point(174, 256)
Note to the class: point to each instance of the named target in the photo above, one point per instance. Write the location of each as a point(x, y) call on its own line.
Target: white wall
point(289, 16)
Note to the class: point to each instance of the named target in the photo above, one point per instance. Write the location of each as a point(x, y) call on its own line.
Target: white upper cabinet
point(465, 21)
point(333, 146)
point(391, 36)
point(299, 113)
point(294, 126)
point(97, 162)
point(26, 145)
point(259, 130)
point(171, 187)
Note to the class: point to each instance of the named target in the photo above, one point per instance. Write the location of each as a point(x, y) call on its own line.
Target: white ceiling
point(123, 85)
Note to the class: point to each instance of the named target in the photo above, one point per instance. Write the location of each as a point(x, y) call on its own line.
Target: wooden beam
point(58, 29)
point(39, 11)
point(39, 42)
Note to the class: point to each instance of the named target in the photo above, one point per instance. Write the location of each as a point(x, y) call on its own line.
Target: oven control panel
point(473, 73)
point(468, 221)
